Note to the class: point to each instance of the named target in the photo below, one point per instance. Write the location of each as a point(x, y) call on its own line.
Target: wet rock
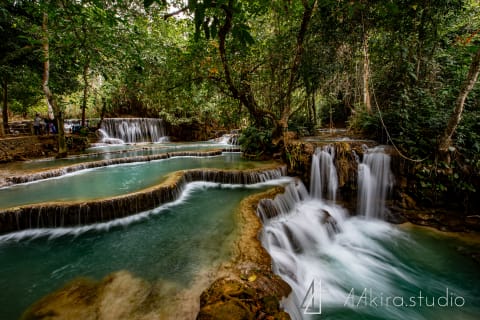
point(332, 225)
point(473, 222)
point(406, 201)
point(441, 219)
point(234, 310)
point(239, 299)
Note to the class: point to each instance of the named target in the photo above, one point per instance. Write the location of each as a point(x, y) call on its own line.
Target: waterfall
point(105, 138)
point(229, 139)
point(323, 174)
point(132, 130)
point(374, 181)
point(314, 241)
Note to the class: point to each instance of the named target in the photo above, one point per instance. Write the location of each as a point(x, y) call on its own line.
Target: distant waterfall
point(229, 139)
point(374, 181)
point(323, 174)
point(132, 130)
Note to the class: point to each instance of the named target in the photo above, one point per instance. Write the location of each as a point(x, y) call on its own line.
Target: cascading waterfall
point(229, 139)
point(316, 244)
point(105, 138)
point(132, 130)
point(323, 176)
point(374, 181)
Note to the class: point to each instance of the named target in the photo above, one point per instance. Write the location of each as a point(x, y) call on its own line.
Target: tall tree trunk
point(467, 86)
point(61, 144)
point(281, 125)
point(297, 59)
point(86, 68)
point(5, 107)
point(366, 74)
point(314, 109)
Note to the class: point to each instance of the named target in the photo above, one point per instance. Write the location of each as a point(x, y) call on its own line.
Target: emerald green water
point(114, 152)
point(371, 270)
point(424, 275)
point(112, 180)
point(172, 243)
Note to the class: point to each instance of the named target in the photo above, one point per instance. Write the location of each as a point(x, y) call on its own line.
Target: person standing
point(36, 124)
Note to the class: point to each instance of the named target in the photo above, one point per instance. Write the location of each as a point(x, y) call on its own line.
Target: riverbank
point(29, 147)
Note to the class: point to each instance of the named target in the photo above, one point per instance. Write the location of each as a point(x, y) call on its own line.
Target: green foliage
point(84, 131)
point(142, 64)
point(438, 182)
point(414, 124)
point(256, 142)
point(302, 124)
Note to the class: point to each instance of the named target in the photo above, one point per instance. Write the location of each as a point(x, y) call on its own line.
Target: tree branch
point(174, 13)
point(467, 86)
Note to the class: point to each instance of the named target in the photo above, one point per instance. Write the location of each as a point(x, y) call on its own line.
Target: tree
point(99, 36)
point(233, 24)
point(51, 100)
point(18, 54)
point(472, 76)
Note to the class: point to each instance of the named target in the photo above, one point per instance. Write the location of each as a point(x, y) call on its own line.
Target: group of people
point(41, 125)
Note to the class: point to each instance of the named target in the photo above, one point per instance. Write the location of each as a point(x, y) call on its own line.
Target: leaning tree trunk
point(62, 146)
point(467, 86)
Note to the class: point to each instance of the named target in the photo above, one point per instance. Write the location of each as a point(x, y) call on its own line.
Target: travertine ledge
point(59, 214)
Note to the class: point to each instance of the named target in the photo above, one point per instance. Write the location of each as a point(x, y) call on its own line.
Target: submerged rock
point(118, 296)
point(248, 288)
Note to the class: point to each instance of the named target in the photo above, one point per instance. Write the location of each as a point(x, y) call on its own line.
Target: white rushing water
point(323, 177)
point(229, 139)
point(336, 263)
point(374, 181)
point(132, 130)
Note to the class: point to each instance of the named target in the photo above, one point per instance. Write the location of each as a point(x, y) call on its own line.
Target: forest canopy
point(393, 70)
